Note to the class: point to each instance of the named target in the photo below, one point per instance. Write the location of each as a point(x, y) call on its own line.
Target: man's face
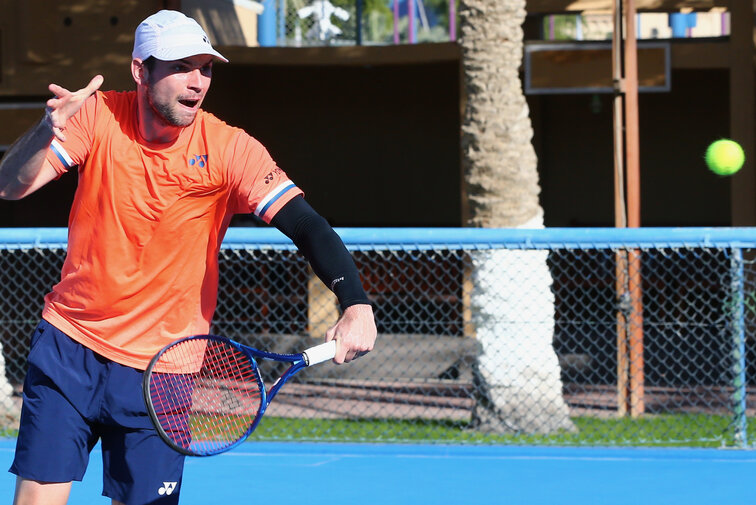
point(176, 89)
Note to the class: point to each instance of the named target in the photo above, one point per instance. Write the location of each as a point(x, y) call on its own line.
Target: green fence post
point(738, 340)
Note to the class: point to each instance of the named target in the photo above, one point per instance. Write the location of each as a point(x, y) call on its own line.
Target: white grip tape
point(320, 353)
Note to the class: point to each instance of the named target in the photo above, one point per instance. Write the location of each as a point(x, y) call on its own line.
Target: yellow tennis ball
point(725, 157)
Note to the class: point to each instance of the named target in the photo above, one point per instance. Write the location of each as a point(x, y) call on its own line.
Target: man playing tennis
point(159, 180)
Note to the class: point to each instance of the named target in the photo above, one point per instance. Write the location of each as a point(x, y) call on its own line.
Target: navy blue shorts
point(74, 397)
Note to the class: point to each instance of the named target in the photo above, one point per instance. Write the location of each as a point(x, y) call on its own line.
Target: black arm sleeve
point(323, 248)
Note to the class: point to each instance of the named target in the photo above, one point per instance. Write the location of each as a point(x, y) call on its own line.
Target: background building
point(371, 131)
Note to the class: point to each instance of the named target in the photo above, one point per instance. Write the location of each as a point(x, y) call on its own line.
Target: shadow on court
point(333, 474)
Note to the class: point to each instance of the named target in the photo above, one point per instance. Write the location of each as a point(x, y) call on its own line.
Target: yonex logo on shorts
point(167, 488)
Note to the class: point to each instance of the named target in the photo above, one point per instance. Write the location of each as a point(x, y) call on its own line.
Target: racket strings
point(215, 399)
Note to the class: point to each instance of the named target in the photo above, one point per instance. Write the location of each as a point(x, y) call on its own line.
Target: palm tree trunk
point(513, 305)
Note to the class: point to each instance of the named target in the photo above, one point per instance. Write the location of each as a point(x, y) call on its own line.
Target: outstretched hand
point(67, 103)
point(355, 333)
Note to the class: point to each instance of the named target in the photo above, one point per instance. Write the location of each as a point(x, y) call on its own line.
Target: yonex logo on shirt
point(167, 488)
point(200, 159)
point(272, 175)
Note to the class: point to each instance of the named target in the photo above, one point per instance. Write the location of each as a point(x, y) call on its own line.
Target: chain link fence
point(562, 337)
point(370, 22)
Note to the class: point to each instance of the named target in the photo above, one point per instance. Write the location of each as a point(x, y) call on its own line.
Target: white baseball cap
point(170, 35)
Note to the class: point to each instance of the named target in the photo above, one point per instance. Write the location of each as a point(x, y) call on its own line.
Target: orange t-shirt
point(147, 223)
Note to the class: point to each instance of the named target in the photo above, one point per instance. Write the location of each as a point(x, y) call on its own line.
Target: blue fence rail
point(408, 237)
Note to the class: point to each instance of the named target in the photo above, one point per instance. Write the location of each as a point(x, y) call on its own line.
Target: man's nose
point(195, 79)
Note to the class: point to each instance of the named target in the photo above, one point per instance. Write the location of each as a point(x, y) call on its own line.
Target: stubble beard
point(166, 113)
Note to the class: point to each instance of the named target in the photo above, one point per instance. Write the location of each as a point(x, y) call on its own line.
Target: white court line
point(593, 458)
point(337, 456)
point(332, 457)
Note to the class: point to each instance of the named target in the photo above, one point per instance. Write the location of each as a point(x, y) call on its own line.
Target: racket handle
point(320, 353)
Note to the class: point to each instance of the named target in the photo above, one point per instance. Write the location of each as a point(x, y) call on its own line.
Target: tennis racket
point(205, 393)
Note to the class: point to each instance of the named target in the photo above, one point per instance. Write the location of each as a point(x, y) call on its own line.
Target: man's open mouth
point(191, 103)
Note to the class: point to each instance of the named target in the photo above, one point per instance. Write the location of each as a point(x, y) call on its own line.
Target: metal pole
point(635, 337)
point(411, 19)
point(282, 23)
point(630, 347)
point(738, 347)
point(396, 21)
point(632, 154)
point(620, 215)
point(620, 210)
point(267, 24)
point(358, 15)
point(632, 143)
point(452, 20)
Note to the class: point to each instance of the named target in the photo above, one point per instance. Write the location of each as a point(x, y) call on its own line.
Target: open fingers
point(66, 103)
point(94, 84)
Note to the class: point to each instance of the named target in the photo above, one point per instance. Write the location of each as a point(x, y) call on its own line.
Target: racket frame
point(297, 362)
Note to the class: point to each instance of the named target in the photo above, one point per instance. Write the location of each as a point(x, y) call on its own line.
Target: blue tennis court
point(285, 473)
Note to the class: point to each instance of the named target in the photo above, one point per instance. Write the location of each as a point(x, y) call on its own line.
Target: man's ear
point(139, 71)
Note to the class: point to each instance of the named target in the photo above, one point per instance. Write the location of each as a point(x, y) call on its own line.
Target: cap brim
point(186, 52)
